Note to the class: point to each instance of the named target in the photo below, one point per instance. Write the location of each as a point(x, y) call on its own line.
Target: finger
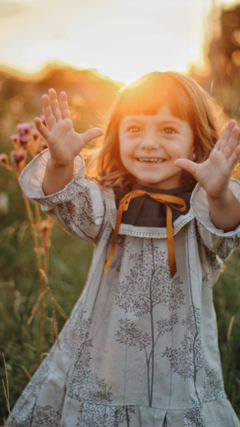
point(64, 106)
point(187, 165)
point(41, 128)
point(54, 104)
point(91, 134)
point(234, 157)
point(226, 135)
point(219, 141)
point(231, 143)
point(47, 111)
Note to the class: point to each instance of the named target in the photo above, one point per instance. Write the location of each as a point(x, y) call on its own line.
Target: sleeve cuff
point(200, 207)
point(31, 178)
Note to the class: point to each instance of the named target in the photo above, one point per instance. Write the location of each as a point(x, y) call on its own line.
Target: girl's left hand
point(213, 174)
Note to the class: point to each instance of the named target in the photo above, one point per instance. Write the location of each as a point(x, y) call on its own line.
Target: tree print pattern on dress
point(194, 418)
point(213, 386)
point(46, 416)
point(188, 359)
point(88, 387)
point(212, 259)
point(227, 246)
point(82, 210)
point(25, 407)
point(147, 285)
point(95, 415)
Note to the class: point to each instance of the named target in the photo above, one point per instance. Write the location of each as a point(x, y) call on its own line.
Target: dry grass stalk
point(5, 423)
point(44, 355)
point(59, 308)
point(230, 328)
point(53, 320)
point(44, 229)
point(56, 333)
point(33, 227)
point(26, 372)
point(37, 305)
point(6, 389)
point(44, 277)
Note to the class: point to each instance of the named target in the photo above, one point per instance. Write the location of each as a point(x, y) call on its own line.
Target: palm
point(213, 174)
point(64, 143)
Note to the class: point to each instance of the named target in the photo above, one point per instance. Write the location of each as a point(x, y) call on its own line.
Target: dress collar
point(132, 226)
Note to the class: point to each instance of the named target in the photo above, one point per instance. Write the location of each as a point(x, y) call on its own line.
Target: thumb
point(91, 134)
point(41, 128)
point(187, 165)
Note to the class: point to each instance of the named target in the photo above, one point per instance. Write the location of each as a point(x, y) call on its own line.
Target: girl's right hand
point(64, 143)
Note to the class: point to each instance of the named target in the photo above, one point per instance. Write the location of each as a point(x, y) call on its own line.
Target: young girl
point(141, 347)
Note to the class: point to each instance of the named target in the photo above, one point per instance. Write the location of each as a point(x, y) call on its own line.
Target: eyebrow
point(162, 122)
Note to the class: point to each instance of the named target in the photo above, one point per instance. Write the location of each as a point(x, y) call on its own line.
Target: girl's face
point(149, 145)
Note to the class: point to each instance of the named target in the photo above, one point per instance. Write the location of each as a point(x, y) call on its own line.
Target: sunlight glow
point(123, 39)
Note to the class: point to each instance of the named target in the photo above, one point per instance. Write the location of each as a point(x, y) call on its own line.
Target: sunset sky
point(123, 39)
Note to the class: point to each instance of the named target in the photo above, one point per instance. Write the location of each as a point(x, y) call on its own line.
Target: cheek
point(125, 152)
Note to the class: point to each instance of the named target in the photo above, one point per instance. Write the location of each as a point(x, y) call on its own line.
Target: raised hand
point(64, 143)
point(213, 174)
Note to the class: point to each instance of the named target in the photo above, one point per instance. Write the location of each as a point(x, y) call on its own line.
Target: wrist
point(224, 198)
point(58, 165)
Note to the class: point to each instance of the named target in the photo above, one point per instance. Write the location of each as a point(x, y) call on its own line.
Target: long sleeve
point(79, 207)
point(222, 244)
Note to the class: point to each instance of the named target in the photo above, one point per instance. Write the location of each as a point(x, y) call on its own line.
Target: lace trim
point(147, 232)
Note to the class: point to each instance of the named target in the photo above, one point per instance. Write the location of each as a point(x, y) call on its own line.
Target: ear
point(193, 155)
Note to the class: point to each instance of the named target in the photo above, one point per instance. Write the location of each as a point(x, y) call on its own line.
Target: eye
point(168, 130)
point(133, 129)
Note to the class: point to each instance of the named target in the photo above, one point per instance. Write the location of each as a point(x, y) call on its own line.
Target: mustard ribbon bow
point(162, 198)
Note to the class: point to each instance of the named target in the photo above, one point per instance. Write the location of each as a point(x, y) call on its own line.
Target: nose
point(149, 144)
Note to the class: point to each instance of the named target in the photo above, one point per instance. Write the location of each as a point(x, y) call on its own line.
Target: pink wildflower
point(18, 159)
point(15, 139)
point(24, 140)
point(24, 128)
point(4, 159)
point(35, 134)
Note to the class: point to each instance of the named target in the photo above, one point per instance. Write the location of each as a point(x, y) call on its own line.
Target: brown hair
point(186, 100)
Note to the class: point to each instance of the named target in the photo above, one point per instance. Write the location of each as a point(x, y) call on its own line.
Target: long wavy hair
point(186, 100)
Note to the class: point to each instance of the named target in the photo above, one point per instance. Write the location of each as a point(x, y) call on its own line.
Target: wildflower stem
point(6, 389)
point(45, 232)
point(35, 238)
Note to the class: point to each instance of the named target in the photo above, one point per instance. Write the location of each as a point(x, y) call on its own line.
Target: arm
point(55, 178)
point(64, 143)
point(225, 211)
point(79, 207)
point(214, 174)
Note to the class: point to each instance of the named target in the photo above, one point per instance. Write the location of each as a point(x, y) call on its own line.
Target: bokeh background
point(91, 49)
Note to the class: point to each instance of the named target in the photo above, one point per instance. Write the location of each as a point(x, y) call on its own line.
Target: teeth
point(154, 160)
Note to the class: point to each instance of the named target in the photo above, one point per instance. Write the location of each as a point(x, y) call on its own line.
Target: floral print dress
point(140, 349)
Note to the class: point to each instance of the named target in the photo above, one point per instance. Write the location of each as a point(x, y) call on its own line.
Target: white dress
point(140, 348)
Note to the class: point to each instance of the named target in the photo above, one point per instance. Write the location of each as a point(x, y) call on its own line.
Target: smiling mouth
point(150, 160)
